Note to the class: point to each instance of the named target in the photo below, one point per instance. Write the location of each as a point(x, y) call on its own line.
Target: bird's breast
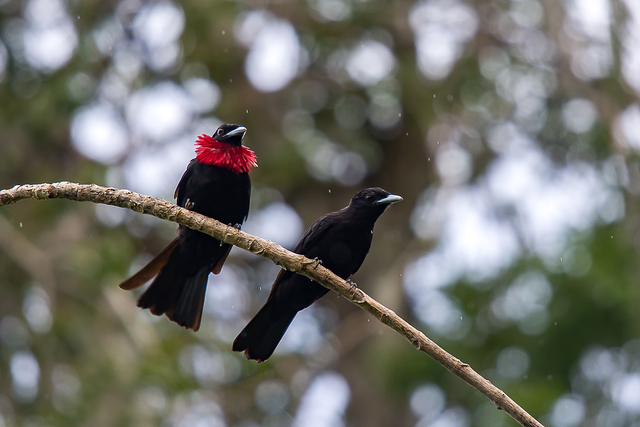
point(340, 253)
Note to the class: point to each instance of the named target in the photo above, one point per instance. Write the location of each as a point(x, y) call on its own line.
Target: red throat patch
point(236, 158)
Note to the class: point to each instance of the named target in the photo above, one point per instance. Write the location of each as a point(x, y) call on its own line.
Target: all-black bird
point(341, 240)
point(216, 184)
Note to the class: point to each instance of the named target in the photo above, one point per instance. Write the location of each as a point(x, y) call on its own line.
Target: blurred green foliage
point(75, 350)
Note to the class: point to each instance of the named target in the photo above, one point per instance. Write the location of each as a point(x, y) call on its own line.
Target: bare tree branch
point(276, 253)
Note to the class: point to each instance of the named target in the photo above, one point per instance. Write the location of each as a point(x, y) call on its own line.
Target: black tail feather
point(187, 310)
point(175, 294)
point(262, 334)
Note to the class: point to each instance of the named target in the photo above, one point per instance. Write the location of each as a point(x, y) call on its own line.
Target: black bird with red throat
point(216, 184)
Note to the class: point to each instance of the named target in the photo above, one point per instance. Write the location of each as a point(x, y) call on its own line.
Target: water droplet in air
point(223, 32)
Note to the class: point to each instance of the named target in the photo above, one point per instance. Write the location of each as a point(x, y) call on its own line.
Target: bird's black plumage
point(183, 267)
point(341, 240)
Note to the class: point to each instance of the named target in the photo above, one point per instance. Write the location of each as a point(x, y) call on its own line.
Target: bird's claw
point(318, 262)
point(237, 225)
point(189, 204)
point(352, 285)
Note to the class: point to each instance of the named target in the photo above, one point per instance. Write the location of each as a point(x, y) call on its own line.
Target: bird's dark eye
point(220, 132)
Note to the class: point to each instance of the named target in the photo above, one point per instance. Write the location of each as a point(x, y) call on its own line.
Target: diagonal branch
point(276, 253)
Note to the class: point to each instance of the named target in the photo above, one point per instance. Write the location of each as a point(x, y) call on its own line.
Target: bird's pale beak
point(237, 131)
point(391, 198)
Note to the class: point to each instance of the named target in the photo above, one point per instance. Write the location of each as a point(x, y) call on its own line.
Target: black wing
point(307, 246)
point(314, 233)
point(181, 189)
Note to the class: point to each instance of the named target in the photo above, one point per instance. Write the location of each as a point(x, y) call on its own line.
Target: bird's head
point(224, 149)
point(373, 199)
point(230, 133)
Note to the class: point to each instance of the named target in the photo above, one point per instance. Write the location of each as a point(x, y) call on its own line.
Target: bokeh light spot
point(324, 403)
point(579, 115)
point(512, 362)
point(25, 375)
point(159, 112)
point(427, 402)
point(274, 55)
point(568, 411)
point(98, 132)
point(370, 62)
